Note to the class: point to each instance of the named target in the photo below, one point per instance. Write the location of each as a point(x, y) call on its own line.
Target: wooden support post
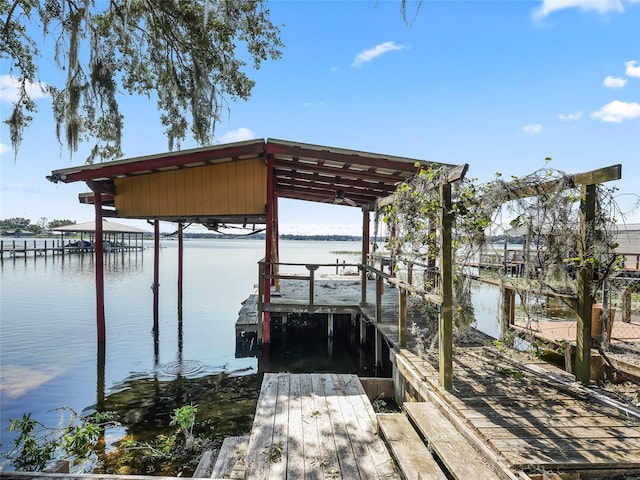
point(379, 291)
point(585, 281)
point(402, 316)
point(507, 315)
point(99, 252)
point(268, 269)
point(261, 313)
point(446, 288)
point(626, 305)
point(378, 348)
point(312, 282)
point(364, 258)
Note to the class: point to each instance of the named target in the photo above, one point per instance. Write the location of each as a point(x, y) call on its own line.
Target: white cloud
point(534, 129)
point(613, 82)
point(632, 70)
point(238, 135)
point(9, 89)
point(570, 116)
point(617, 111)
point(375, 52)
point(599, 6)
point(4, 148)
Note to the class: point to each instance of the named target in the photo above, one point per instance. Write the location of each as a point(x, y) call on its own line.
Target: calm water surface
point(48, 352)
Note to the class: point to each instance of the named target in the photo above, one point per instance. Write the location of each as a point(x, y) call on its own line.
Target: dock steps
point(230, 461)
point(412, 456)
point(452, 449)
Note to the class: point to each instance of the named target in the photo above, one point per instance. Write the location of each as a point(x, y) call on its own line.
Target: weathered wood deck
point(526, 421)
point(315, 426)
point(331, 294)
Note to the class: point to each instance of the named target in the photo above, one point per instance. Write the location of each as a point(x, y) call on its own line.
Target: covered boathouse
point(239, 184)
point(506, 417)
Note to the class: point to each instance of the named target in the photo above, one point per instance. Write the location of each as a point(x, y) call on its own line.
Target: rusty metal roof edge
point(155, 156)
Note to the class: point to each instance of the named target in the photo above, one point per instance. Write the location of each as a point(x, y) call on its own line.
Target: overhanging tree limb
point(191, 54)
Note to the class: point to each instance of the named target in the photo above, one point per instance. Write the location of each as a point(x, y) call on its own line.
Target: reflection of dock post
point(100, 377)
point(155, 288)
point(180, 265)
point(330, 325)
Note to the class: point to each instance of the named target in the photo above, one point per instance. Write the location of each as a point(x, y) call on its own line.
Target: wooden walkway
point(315, 426)
point(526, 419)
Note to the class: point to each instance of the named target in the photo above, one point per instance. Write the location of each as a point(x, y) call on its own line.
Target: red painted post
point(156, 270)
point(99, 252)
point(268, 271)
point(180, 264)
point(365, 256)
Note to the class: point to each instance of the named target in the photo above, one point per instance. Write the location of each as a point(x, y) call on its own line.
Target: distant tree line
point(19, 225)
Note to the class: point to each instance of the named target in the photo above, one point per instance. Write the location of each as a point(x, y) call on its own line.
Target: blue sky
point(497, 85)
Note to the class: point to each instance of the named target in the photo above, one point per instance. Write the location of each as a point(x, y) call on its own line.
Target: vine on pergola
point(542, 206)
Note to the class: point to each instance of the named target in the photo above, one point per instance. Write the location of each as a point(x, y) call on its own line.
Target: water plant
point(36, 444)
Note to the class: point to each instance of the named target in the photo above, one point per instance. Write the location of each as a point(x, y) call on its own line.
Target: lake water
point(48, 349)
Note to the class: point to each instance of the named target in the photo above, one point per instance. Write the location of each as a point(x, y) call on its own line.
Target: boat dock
point(44, 248)
point(514, 418)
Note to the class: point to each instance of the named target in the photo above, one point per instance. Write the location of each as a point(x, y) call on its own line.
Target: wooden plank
point(600, 447)
point(329, 449)
point(296, 441)
point(563, 459)
point(482, 420)
point(628, 434)
point(448, 443)
point(411, 454)
point(357, 440)
point(313, 459)
point(277, 450)
point(262, 429)
point(368, 421)
point(373, 459)
point(205, 465)
point(232, 450)
point(348, 467)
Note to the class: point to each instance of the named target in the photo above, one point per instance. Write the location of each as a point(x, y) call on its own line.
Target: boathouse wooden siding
point(230, 188)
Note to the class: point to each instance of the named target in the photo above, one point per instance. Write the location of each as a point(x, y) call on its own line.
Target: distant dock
point(14, 249)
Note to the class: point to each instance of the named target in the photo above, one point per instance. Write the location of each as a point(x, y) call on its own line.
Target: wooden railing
point(404, 287)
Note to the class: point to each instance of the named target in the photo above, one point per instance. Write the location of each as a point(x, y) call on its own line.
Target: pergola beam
point(593, 177)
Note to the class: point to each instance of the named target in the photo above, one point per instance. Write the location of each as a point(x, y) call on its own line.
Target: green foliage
point(31, 450)
point(60, 223)
point(185, 418)
point(36, 444)
point(189, 54)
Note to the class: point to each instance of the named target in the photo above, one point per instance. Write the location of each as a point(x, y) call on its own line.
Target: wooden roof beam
point(450, 175)
point(346, 156)
point(334, 181)
point(387, 179)
point(601, 175)
point(157, 162)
